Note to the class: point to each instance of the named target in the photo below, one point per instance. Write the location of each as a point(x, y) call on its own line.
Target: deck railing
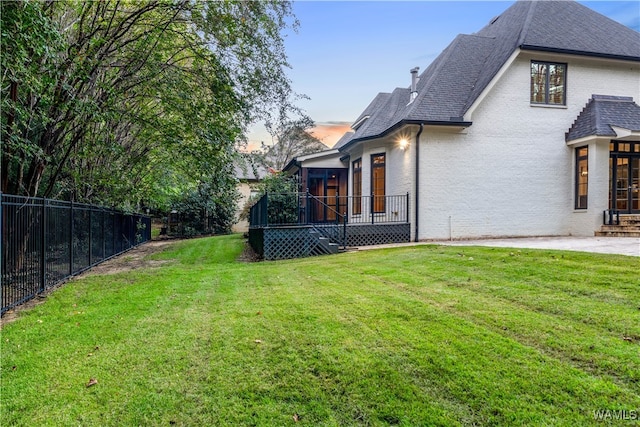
point(611, 217)
point(279, 209)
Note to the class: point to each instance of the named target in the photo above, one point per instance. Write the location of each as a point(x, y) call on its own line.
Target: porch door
point(317, 188)
point(625, 177)
point(331, 200)
point(329, 186)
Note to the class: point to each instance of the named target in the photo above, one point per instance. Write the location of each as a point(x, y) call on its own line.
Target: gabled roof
point(601, 113)
point(459, 75)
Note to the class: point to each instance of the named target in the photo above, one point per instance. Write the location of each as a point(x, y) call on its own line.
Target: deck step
point(327, 246)
point(323, 246)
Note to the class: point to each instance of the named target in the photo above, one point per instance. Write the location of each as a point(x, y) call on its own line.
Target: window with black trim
point(582, 177)
point(548, 83)
point(357, 187)
point(377, 182)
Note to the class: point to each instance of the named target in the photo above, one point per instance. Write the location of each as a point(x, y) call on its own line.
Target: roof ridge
point(525, 26)
point(596, 112)
point(611, 98)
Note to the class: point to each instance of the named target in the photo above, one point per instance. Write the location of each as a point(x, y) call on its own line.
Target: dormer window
point(548, 83)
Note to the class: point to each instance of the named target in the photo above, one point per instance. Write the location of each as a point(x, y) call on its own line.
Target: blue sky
point(345, 52)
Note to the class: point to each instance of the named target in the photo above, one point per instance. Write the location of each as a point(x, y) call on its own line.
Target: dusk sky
point(345, 52)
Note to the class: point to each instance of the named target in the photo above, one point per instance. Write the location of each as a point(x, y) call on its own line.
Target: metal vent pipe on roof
point(414, 83)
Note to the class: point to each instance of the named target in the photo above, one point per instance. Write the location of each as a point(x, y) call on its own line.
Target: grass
point(427, 335)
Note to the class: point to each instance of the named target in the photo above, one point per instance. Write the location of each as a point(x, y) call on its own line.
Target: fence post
point(266, 208)
point(104, 238)
point(371, 207)
point(43, 246)
point(346, 211)
point(307, 208)
point(337, 206)
point(90, 236)
point(407, 211)
point(71, 238)
point(113, 233)
point(2, 261)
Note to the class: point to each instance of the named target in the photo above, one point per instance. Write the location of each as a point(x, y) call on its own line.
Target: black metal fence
point(46, 241)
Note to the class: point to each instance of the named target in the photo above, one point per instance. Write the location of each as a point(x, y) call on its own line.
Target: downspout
point(418, 179)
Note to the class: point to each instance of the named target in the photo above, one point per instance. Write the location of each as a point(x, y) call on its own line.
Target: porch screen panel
point(357, 187)
point(377, 182)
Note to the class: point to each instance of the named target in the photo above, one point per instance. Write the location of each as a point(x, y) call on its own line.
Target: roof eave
point(398, 125)
point(293, 163)
point(619, 134)
point(623, 134)
point(579, 53)
point(585, 140)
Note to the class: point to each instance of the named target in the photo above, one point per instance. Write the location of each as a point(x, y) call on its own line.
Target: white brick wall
point(512, 173)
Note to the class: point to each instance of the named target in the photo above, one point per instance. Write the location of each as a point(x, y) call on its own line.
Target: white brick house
point(529, 127)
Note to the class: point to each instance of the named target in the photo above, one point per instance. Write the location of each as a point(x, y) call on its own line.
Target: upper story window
point(548, 83)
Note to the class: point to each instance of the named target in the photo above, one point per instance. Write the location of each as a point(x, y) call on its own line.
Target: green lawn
point(426, 335)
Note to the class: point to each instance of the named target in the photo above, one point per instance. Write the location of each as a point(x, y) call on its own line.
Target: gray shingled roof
point(378, 102)
point(602, 112)
point(343, 140)
point(455, 79)
point(385, 117)
point(572, 27)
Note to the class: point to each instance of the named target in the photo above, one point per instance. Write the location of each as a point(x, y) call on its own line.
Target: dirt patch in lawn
point(130, 260)
point(133, 259)
point(248, 254)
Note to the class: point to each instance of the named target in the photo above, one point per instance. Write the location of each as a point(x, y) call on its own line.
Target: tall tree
point(292, 138)
point(108, 101)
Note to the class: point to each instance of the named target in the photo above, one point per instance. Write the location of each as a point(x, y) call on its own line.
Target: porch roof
point(298, 162)
point(602, 115)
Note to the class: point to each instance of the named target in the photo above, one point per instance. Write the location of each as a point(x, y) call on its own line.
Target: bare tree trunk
point(6, 152)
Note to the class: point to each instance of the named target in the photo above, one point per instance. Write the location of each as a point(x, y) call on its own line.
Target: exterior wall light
point(403, 143)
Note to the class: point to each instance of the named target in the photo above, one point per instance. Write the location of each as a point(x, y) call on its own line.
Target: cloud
point(330, 132)
point(327, 132)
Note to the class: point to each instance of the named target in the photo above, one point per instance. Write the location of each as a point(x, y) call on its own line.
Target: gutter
point(535, 48)
point(418, 179)
point(455, 122)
